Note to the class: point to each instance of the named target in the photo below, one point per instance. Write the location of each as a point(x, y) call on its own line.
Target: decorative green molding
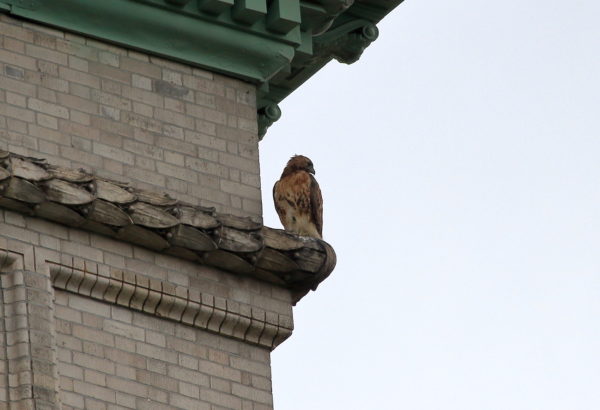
point(249, 11)
point(283, 16)
point(183, 33)
point(266, 117)
point(276, 44)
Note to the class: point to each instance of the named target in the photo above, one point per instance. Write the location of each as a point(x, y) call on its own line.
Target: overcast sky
point(459, 161)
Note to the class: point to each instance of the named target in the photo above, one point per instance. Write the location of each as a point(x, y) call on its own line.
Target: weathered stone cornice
point(161, 223)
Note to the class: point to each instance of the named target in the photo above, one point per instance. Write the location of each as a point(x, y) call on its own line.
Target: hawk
point(298, 199)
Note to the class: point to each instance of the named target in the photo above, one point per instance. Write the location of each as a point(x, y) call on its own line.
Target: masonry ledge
point(156, 221)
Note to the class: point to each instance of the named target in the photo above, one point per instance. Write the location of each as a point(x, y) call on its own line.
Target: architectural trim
point(15, 255)
point(28, 374)
point(10, 261)
point(177, 303)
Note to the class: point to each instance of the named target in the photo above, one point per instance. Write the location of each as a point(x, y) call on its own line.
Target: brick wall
point(109, 355)
point(160, 125)
point(112, 356)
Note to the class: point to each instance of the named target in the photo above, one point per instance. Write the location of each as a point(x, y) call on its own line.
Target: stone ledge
point(163, 224)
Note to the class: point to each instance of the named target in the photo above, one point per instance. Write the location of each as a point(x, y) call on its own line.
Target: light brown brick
point(207, 167)
point(114, 153)
point(19, 60)
point(187, 403)
point(126, 400)
point(190, 390)
point(77, 249)
point(144, 175)
point(123, 329)
point(92, 362)
point(109, 58)
point(78, 103)
point(126, 358)
point(143, 109)
point(17, 112)
point(176, 172)
point(206, 140)
point(207, 114)
point(141, 67)
point(238, 162)
point(156, 379)
point(240, 189)
point(253, 394)
point(93, 335)
point(143, 96)
point(91, 390)
point(47, 121)
point(188, 375)
point(110, 245)
point(111, 128)
point(20, 87)
point(44, 53)
point(127, 386)
point(94, 377)
point(16, 126)
point(221, 399)
point(176, 145)
point(112, 73)
point(141, 123)
point(79, 77)
point(48, 108)
point(172, 117)
point(250, 366)
point(72, 399)
point(142, 82)
point(156, 352)
point(110, 100)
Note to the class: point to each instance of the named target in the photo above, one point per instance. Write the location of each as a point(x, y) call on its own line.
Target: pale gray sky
point(459, 161)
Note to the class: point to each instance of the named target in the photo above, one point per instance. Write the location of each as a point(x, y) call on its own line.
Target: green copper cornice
point(182, 33)
point(276, 44)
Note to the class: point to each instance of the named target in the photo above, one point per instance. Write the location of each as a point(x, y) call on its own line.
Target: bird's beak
point(312, 171)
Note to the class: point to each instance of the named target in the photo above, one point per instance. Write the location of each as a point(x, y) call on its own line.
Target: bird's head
point(300, 163)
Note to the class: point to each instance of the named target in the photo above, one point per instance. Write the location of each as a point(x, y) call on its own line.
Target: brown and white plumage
point(298, 199)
